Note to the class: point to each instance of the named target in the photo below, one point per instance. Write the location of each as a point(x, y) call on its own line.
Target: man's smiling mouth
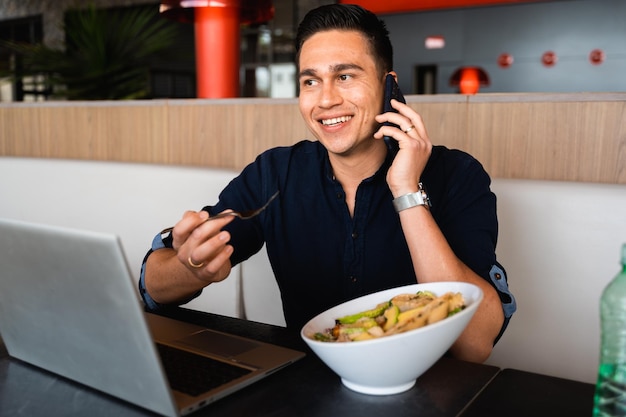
point(335, 121)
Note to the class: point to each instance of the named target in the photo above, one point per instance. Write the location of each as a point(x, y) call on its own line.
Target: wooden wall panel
point(564, 137)
point(264, 127)
point(445, 118)
point(198, 135)
point(102, 131)
point(568, 137)
point(230, 133)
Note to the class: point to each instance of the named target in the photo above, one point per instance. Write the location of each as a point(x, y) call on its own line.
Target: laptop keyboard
point(195, 374)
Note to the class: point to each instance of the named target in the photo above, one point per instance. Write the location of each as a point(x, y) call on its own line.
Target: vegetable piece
point(411, 301)
point(410, 324)
point(362, 336)
point(380, 309)
point(421, 316)
point(391, 316)
point(346, 334)
point(456, 301)
point(429, 294)
point(438, 312)
point(365, 322)
point(456, 310)
point(323, 337)
point(409, 314)
point(376, 331)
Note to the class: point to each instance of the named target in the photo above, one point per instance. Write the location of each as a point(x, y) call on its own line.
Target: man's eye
point(308, 83)
point(344, 77)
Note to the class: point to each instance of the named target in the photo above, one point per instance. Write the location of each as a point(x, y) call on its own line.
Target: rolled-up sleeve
point(157, 243)
point(160, 241)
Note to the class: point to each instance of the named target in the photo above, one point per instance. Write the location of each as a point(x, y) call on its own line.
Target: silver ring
point(191, 264)
point(408, 129)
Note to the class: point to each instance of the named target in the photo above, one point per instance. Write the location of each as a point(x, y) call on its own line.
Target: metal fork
point(244, 214)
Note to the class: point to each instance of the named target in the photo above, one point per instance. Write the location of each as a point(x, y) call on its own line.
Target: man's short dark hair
point(348, 17)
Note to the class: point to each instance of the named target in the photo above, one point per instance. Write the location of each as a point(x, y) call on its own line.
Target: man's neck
point(354, 168)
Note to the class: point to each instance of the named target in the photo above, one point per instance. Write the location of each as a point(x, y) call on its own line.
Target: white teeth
point(336, 120)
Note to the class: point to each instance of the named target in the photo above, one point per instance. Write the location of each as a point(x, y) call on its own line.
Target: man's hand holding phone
point(392, 91)
point(403, 129)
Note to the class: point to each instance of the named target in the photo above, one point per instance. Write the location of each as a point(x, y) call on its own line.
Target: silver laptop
point(68, 304)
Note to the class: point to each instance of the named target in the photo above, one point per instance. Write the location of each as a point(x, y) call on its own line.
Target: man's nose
point(330, 96)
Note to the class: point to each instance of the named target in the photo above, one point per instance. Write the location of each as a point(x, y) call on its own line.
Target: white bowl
point(390, 364)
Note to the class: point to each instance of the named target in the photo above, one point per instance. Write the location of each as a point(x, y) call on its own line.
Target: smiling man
point(353, 214)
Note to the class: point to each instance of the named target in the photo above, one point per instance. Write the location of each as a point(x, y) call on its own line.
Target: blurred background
point(123, 49)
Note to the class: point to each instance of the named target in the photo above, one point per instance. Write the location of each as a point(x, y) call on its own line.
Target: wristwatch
point(420, 198)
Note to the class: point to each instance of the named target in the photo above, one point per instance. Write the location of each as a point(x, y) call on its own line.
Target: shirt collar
point(382, 170)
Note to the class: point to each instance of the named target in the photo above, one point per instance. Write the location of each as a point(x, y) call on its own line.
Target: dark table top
point(305, 388)
point(516, 393)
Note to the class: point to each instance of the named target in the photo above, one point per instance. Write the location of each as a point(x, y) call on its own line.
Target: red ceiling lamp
point(217, 25)
point(469, 79)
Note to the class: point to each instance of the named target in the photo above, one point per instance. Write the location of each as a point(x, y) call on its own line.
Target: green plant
point(106, 55)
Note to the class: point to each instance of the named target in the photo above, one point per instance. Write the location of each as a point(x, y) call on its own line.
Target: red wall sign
point(505, 60)
point(549, 58)
point(596, 57)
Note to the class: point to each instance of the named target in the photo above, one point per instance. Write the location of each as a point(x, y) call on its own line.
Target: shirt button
point(497, 276)
point(352, 278)
point(339, 195)
point(355, 235)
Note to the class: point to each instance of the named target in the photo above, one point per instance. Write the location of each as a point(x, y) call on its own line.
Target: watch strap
point(419, 198)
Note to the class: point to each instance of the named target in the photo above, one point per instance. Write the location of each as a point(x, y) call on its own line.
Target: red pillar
point(217, 50)
point(216, 25)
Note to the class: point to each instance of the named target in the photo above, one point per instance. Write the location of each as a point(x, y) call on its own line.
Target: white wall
point(560, 243)
point(133, 201)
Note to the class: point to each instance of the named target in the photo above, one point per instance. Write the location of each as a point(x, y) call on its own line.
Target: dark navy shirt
point(321, 256)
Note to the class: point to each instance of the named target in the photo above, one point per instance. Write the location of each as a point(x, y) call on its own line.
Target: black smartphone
point(392, 90)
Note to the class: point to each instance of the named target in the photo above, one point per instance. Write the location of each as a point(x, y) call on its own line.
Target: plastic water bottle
point(610, 397)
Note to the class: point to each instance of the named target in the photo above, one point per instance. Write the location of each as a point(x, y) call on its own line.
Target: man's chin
point(336, 147)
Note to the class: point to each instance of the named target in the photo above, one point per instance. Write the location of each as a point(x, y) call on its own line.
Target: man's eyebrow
point(309, 72)
point(344, 67)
